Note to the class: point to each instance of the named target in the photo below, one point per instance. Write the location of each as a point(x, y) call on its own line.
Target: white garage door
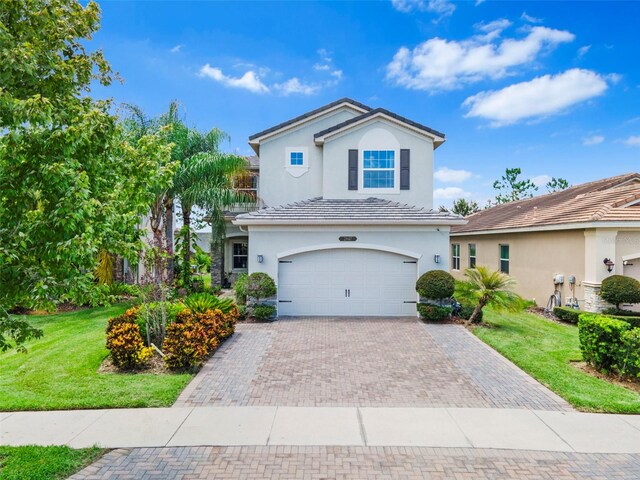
point(347, 282)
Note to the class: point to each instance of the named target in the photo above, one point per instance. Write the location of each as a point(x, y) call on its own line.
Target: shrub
point(201, 302)
point(630, 353)
point(260, 285)
point(186, 345)
point(436, 285)
point(600, 340)
point(126, 346)
point(240, 289)
point(619, 312)
point(618, 289)
point(466, 311)
point(568, 314)
point(263, 312)
point(433, 312)
point(153, 319)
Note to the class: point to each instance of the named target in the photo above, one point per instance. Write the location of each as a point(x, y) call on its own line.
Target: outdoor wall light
point(609, 263)
point(436, 258)
point(260, 259)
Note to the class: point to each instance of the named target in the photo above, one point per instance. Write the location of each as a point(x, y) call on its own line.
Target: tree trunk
point(217, 264)
point(168, 229)
point(155, 223)
point(186, 252)
point(476, 312)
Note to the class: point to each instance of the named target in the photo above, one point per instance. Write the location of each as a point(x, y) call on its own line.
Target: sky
point(550, 87)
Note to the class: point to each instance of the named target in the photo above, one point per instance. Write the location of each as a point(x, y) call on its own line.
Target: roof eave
point(298, 221)
point(552, 227)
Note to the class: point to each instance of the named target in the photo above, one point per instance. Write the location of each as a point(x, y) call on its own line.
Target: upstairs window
point(378, 169)
point(296, 159)
point(455, 256)
point(504, 258)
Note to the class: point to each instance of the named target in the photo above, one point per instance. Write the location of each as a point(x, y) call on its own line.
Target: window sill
point(297, 170)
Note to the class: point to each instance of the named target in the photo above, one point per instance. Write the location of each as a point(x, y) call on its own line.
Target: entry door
point(345, 282)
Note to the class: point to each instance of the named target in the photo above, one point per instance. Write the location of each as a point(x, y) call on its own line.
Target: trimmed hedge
point(433, 312)
point(571, 315)
point(601, 341)
point(467, 310)
point(619, 289)
point(436, 285)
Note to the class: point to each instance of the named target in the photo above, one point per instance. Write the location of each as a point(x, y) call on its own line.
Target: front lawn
point(60, 369)
point(43, 463)
point(544, 349)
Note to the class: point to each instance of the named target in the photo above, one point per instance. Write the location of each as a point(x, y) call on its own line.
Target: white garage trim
point(349, 245)
point(633, 256)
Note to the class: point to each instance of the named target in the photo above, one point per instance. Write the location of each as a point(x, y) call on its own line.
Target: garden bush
point(240, 289)
point(618, 289)
point(126, 346)
point(153, 319)
point(466, 311)
point(619, 312)
point(568, 314)
point(201, 302)
point(186, 345)
point(436, 285)
point(433, 312)
point(260, 285)
point(630, 353)
point(601, 341)
point(263, 312)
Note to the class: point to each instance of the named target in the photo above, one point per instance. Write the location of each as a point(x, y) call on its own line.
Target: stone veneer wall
point(593, 302)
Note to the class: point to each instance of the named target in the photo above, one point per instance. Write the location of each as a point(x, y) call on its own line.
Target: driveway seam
point(179, 426)
point(554, 431)
point(363, 431)
point(102, 414)
point(273, 422)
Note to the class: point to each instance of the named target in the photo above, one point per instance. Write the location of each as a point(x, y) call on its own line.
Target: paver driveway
point(363, 362)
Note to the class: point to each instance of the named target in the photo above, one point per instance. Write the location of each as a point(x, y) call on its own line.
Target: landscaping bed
point(545, 350)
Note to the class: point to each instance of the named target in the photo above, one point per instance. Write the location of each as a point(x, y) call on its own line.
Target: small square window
point(296, 159)
point(472, 255)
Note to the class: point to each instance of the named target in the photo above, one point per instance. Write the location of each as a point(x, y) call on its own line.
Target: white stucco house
point(347, 225)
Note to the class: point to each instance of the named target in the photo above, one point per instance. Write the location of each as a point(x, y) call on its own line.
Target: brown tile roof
point(600, 201)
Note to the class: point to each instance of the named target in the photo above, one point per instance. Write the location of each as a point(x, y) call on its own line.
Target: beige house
point(564, 243)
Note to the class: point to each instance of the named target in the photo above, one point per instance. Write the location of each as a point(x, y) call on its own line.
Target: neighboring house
point(348, 225)
point(580, 235)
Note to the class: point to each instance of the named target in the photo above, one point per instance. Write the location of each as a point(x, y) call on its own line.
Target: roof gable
point(383, 114)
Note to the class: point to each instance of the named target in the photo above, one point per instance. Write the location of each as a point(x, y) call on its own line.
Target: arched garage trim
point(349, 245)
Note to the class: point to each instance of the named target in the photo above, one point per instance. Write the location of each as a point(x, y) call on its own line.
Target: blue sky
point(552, 88)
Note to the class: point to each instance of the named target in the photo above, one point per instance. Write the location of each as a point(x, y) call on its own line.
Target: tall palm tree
point(488, 288)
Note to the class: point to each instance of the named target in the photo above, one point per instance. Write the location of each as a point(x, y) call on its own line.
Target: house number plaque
point(347, 239)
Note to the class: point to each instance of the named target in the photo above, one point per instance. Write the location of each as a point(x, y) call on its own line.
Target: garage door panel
point(347, 282)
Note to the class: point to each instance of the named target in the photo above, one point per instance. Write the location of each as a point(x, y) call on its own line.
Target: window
point(378, 169)
point(455, 256)
point(472, 255)
point(240, 255)
point(504, 258)
point(296, 159)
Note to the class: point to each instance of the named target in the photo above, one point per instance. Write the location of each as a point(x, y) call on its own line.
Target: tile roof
point(604, 200)
point(309, 114)
point(356, 211)
point(373, 112)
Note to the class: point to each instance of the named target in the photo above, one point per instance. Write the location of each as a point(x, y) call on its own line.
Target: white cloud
point(295, 86)
point(249, 81)
point(633, 141)
point(176, 49)
point(541, 180)
point(592, 140)
point(440, 64)
point(479, 2)
point(582, 51)
point(450, 193)
point(448, 175)
point(537, 98)
point(337, 74)
point(444, 8)
point(320, 67)
point(529, 18)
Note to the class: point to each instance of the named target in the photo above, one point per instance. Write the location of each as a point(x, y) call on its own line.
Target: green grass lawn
point(43, 463)
point(60, 369)
point(544, 349)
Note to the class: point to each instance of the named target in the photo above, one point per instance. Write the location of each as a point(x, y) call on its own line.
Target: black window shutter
point(353, 169)
point(405, 169)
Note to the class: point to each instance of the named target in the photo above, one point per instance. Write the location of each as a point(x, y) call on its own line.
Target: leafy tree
point(465, 207)
point(510, 188)
point(487, 288)
point(557, 185)
point(71, 185)
point(618, 289)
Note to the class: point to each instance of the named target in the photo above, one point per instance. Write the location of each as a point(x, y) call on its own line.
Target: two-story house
point(348, 224)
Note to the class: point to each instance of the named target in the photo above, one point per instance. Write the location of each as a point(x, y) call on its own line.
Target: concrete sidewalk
point(326, 426)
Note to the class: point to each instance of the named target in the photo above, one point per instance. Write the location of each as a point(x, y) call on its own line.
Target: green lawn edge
point(544, 349)
point(44, 463)
point(60, 370)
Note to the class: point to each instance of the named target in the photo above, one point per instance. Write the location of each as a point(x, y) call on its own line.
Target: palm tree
point(488, 288)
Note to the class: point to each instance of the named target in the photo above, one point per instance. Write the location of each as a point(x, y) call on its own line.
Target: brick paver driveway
point(389, 362)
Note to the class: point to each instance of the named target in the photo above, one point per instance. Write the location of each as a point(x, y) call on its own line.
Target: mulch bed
point(156, 366)
point(620, 382)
